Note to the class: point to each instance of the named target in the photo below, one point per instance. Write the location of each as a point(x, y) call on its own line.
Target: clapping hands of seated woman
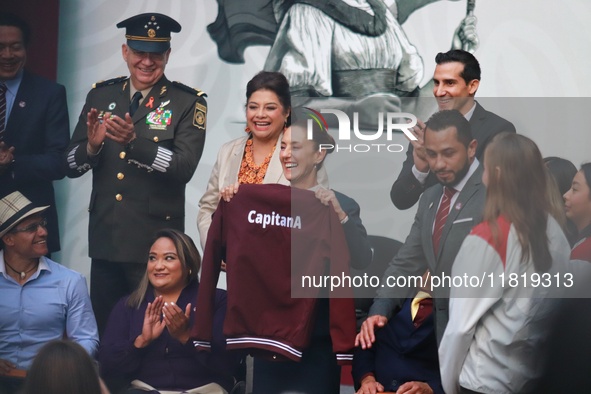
point(160, 315)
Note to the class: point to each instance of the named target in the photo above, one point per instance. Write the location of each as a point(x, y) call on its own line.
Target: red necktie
point(441, 217)
point(424, 310)
point(2, 110)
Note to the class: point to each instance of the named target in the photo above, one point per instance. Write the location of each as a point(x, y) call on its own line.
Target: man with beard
point(446, 214)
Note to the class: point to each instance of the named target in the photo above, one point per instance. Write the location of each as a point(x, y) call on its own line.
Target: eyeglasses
point(31, 228)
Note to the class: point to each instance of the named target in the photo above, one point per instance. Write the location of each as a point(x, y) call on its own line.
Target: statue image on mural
point(337, 48)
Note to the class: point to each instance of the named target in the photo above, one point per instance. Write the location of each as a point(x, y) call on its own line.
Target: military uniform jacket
point(139, 189)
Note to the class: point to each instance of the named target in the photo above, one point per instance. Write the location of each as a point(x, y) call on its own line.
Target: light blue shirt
point(12, 86)
point(52, 304)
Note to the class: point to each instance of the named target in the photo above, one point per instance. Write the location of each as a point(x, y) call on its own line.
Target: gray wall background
point(534, 56)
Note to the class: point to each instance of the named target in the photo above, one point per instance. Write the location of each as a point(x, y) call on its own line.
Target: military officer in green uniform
point(142, 137)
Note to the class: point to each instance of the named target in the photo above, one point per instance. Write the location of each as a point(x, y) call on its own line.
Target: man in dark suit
point(446, 214)
point(142, 137)
point(404, 357)
point(34, 125)
point(456, 80)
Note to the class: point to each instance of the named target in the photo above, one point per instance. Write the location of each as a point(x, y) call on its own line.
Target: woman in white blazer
point(253, 158)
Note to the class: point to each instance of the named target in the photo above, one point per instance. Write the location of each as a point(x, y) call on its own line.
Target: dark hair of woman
point(586, 169)
point(273, 81)
point(563, 172)
point(320, 136)
point(188, 256)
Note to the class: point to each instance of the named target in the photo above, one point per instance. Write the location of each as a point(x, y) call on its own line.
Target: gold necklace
point(21, 273)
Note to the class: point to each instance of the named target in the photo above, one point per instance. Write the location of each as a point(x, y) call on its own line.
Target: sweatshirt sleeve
point(214, 253)
point(467, 305)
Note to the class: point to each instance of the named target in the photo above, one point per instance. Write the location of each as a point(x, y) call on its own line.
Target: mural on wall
point(525, 51)
point(351, 50)
point(341, 48)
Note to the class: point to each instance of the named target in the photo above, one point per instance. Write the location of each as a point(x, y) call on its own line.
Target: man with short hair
point(446, 214)
point(455, 82)
point(34, 125)
point(41, 300)
point(142, 137)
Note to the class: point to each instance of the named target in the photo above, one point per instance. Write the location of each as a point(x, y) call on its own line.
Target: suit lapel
point(476, 120)
point(231, 175)
point(19, 111)
point(274, 171)
point(465, 195)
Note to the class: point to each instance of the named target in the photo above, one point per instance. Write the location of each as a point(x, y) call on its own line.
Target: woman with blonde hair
point(520, 252)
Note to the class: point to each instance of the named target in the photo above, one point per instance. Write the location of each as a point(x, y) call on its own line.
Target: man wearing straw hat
point(41, 300)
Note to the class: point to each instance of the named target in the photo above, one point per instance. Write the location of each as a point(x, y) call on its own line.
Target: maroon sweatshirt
point(270, 236)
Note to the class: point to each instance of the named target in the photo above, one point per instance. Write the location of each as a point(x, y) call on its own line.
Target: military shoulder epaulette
point(108, 82)
point(189, 89)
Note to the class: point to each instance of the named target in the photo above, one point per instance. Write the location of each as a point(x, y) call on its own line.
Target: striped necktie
point(441, 217)
point(2, 110)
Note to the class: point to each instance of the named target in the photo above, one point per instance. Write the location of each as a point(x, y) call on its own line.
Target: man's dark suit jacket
point(417, 255)
point(39, 128)
point(402, 353)
point(406, 190)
